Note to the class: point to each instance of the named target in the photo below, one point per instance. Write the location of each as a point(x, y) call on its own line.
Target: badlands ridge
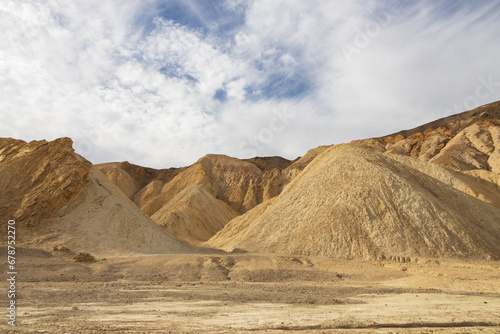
point(433, 191)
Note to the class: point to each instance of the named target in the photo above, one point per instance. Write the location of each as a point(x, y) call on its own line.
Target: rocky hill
point(468, 142)
point(240, 184)
point(350, 202)
point(58, 198)
point(194, 215)
point(139, 184)
point(433, 191)
point(38, 179)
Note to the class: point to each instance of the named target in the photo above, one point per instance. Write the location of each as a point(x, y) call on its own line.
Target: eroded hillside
point(468, 142)
point(351, 202)
point(239, 184)
point(58, 199)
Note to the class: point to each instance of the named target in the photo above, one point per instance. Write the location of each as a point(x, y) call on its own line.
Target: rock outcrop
point(140, 184)
point(194, 215)
point(38, 178)
point(468, 142)
point(351, 202)
point(241, 184)
point(58, 198)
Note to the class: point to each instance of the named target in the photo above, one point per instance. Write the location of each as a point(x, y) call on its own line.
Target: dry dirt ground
point(251, 293)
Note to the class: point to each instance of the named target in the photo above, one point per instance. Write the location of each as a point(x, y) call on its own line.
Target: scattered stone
point(61, 249)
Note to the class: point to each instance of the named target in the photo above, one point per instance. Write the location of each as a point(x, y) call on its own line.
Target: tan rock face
point(58, 199)
point(354, 203)
point(123, 180)
point(38, 178)
point(468, 142)
point(137, 182)
point(146, 194)
point(194, 215)
point(240, 184)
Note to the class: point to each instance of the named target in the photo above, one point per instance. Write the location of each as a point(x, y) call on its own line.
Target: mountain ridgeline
point(432, 192)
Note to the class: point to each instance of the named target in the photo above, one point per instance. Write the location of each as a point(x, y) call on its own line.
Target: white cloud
point(417, 67)
point(127, 86)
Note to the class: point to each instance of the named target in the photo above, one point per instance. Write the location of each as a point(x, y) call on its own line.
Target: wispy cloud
point(162, 83)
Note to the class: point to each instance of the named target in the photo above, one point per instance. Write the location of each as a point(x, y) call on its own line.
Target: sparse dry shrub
point(84, 257)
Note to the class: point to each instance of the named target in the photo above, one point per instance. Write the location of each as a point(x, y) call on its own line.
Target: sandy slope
point(102, 221)
point(194, 215)
point(354, 203)
point(57, 198)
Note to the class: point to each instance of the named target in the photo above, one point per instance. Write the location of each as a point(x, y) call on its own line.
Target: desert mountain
point(351, 202)
point(432, 191)
point(240, 183)
point(194, 215)
point(58, 198)
point(415, 194)
point(468, 142)
point(38, 178)
point(139, 184)
point(215, 179)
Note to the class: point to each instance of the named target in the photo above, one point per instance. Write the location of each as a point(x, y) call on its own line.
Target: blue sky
point(162, 83)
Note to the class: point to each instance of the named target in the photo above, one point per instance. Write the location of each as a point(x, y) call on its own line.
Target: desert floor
point(254, 293)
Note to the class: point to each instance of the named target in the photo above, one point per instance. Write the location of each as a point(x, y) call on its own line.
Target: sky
point(163, 83)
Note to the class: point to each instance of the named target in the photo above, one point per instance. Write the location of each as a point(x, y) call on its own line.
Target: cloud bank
point(162, 83)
